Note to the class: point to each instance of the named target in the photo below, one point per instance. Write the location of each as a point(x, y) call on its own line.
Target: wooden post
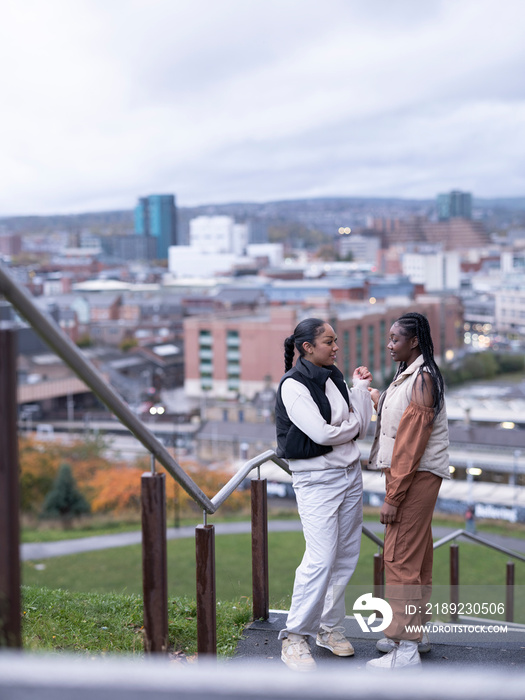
point(154, 562)
point(206, 593)
point(10, 604)
point(260, 576)
point(454, 580)
point(509, 593)
point(379, 576)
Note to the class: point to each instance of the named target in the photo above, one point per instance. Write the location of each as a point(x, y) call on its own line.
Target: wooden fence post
point(454, 580)
point(154, 562)
point(206, 593)
point(509, 593)
point(379, 576)
point(260, 577)
point(10, 604)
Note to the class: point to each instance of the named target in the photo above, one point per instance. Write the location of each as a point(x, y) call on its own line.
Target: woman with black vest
point(318, 421)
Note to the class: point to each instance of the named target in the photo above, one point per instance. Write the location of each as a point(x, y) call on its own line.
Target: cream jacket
point(392, 405)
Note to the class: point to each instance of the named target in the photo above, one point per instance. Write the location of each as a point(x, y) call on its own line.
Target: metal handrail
point(449, 538)
point(372, 536)
point(243, 472)
point(476, 538)
point(64, 347)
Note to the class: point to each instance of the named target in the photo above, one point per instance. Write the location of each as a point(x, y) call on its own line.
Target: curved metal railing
point(61, 344)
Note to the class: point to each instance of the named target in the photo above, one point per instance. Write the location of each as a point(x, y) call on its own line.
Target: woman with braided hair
point(411, 449)
point(318, 420)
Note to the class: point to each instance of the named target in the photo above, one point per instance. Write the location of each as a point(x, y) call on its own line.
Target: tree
point(65, 501)
point(40, 463)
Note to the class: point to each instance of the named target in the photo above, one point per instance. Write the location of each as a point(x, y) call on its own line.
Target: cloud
point(105, 101)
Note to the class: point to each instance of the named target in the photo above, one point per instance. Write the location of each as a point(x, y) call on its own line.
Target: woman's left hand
point(388, 514)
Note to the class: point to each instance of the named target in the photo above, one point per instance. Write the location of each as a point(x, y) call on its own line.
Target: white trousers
point(330, 504)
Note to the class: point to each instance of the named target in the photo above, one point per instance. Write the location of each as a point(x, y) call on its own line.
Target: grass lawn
point(118, 570)
point(35, 530)
point(94, 623)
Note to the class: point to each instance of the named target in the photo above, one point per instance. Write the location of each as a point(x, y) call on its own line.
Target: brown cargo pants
point(408, 556)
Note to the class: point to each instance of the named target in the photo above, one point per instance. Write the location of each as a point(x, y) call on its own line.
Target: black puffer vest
point(292, 443)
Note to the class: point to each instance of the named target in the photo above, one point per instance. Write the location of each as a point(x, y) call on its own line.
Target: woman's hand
point(388, 513)
point(362, 373)
point(374, 395)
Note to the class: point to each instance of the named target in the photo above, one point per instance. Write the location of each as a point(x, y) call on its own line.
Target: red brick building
point(229, 355)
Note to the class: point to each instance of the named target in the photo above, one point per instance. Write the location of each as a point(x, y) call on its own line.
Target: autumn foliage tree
point(109, 487)
point(40, 462)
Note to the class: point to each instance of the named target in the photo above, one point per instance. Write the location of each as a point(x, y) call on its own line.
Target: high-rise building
point(156, 217)
point(453, 205)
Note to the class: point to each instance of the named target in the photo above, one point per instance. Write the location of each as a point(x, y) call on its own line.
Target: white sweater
point(344, 425)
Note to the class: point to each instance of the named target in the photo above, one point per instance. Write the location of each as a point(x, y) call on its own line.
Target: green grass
point(55, 534)
point(94, 623)
point(118, 570)
point(52, 531)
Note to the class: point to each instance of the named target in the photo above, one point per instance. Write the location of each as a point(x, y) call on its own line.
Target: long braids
point(415, 324)
point(305, 332)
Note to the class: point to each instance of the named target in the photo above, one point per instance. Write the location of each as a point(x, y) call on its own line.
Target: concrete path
point(454, 646)
point(45, 550)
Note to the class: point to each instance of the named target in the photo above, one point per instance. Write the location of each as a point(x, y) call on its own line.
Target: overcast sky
point(103, 101)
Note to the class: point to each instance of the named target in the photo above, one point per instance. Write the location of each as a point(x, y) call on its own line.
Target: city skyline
point(230, 101)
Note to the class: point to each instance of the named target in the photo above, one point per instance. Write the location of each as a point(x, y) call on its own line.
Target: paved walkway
point(456, 646)
point(45, 550)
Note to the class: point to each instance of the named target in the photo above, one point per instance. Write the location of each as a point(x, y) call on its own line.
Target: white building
point(438, 272)
point(187, 261)
point(218, 234)
point(273, 251)
point(363, 248)
point(510, 307)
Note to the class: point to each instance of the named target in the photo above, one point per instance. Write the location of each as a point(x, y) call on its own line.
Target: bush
point(482, 365)
point(510, 363)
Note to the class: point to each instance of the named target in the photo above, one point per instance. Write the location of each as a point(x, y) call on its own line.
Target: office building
point(509, 310)
point(453, 205)
point(362, 248)
point(436, 272)
point(156, 218)
point(218, 234)
point(238, 354)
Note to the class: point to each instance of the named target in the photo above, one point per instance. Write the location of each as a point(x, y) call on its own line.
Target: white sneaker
point(385, 645)
point(296, 653)
point(404, 655)
point(334, 640)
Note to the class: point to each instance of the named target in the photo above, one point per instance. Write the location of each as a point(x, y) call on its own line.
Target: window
point(371, 348)
point(382, 347)
point(346, 353)
point(233, 360)
point(358, 346)
point(206, 359)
